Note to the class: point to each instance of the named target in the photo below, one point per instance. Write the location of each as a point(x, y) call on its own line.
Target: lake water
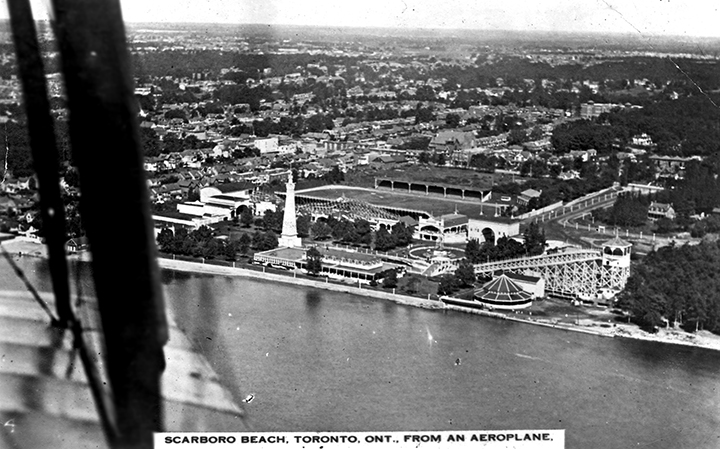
point(320, 360)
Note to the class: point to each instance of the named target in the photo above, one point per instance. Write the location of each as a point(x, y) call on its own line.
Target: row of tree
point(462, 277)
point(507, 248)
point(360, 232)
point(202, 242)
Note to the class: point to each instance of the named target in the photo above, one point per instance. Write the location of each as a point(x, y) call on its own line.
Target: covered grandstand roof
point(352, 209)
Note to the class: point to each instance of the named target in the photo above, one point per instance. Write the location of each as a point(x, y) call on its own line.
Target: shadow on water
point(169, 276)
point(208, 335)
point(313, 301)
point(653, 354)
point(389, 308)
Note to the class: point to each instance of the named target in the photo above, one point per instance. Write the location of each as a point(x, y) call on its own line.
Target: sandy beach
point(594, 321)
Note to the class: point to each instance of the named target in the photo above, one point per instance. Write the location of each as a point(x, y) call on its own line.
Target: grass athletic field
point(435, 204)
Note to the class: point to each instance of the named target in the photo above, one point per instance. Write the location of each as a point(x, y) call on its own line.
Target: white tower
point(289, 237)
point(616, 253)
point(615, 269)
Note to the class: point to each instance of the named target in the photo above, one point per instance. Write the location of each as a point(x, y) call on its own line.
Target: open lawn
point(562, 311)
point(414, 284)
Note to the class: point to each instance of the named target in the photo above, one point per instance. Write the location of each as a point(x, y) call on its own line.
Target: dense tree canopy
point(676, 284)
point(628, 210)
point(507, 248)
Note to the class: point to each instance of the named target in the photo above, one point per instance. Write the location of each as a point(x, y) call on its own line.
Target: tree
point(390, 279)
point(423, 115)
point(318, 123)
point(383, 240)
point(211, 249)
point(230, 249)
point(272, 221)
point(447, 284)
point(172, 144)
point(536, 133)
point(334, 176)
point(150, 142)
point(202, 234)
point(452, 120)
point(629, 210)
point(342, 229)
point(534, 237)
point(413, 285)
point(472, 251)
point(244, 243)
point(402, 234)
point(363, 230)
point(320, 230)
point(246, 217)
point(517, 136)
point(303, 225)
point(314, 261)
point(465, 273)
point(257, 240)
point(166, 240)
point(270, 241)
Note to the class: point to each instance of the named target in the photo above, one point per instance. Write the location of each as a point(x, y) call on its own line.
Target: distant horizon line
point(592, 33)
point(416, 28)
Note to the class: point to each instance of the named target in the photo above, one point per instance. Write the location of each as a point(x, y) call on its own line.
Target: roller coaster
point(575, 273)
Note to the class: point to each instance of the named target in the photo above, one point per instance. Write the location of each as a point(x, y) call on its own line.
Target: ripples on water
point(320, 360)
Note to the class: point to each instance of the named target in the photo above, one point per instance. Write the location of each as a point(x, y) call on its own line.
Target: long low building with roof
point(336, 262)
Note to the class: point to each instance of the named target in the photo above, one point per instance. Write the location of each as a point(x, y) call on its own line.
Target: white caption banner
point(465, 439)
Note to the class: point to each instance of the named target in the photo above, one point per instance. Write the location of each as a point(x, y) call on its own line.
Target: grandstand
point(349, 209)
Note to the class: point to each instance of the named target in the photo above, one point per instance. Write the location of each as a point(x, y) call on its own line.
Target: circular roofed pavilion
point(503, 293)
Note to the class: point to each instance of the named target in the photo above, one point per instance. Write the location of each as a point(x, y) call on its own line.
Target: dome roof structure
point(503, 293)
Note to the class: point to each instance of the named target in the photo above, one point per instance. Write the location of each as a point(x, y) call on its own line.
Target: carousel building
point(503, 293)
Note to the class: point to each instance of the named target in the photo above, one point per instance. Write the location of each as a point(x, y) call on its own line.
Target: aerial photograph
point(325, 224)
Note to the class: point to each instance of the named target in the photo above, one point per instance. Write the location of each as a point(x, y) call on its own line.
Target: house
point(534, 285)
point(452, 140)
point(230, 191)
point(657, 211)
point(527, 195)
point(671, 166)
point(269, 145)
point(583, 155)
point(642, 140)
point(77, 244)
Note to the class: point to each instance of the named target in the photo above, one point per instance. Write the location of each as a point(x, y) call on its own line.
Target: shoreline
point(702, 339)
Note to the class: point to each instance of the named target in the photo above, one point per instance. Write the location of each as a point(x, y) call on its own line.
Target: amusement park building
point(338, 263)
point(574, 272)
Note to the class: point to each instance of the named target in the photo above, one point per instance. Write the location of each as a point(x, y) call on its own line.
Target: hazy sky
point(664, 17)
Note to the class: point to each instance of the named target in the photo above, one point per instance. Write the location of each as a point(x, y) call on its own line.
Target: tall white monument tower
point(289, 237)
